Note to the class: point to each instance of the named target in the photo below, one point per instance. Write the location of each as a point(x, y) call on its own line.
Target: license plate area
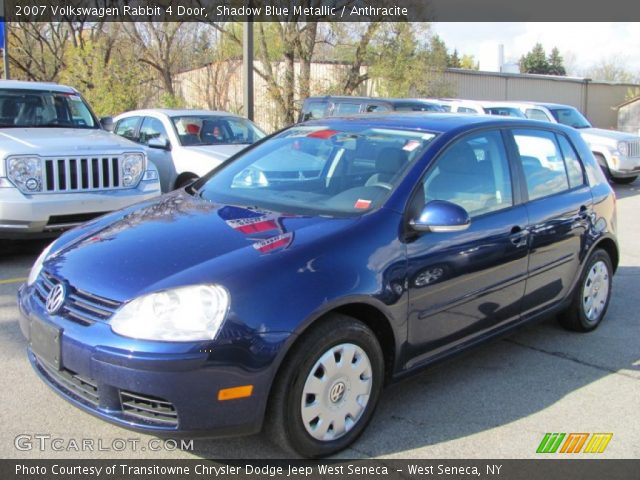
point(45, 342)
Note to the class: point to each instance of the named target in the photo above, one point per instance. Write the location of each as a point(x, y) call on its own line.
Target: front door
point(464, 284)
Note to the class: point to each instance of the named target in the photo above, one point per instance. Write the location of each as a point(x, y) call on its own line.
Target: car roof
point(434, 121)
point(547, 104)
point(42, 86)
point(169, 112)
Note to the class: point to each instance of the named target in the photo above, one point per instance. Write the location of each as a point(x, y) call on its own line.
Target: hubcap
point(336, 392)
point(595, 291)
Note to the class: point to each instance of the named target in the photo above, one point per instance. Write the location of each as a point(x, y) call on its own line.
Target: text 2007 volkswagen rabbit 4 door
point(283, 290)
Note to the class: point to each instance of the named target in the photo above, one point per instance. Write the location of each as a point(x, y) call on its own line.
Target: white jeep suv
point(58, 166)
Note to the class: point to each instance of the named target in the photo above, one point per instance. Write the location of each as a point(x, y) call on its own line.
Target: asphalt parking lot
point(495, 402)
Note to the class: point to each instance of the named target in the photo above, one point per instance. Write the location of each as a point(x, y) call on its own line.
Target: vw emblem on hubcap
point(55, 299)
point(337, 392)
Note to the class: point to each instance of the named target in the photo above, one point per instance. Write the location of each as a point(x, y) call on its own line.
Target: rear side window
point(127, 128)
point(575, 173)
point(542, 162)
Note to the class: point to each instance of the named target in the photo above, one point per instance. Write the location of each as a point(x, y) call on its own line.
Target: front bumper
point(155, 387)
point(24, 215)
point(621, 166)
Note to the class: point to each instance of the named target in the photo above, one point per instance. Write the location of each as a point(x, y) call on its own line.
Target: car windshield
point(40, 108)
point(328, 169)
point(195, 130)
point(571, 117)
point(417, 107)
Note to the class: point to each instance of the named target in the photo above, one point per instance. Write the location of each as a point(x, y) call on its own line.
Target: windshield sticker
point(322, 134)
point(362, 204)
point(411, 145)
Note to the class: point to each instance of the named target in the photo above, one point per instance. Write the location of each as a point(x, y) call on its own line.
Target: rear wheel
point(625, 180)
point(328, 388)
point(592, 296)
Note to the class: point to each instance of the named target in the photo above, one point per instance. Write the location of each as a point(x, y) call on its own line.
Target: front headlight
point(623, 148)
point(179, 315)
point(25, 173)
point(132, 168)
point(37, 266)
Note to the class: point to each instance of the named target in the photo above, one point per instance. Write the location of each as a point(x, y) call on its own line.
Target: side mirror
point(107, 123)
point(159, 142)
point(441, 216)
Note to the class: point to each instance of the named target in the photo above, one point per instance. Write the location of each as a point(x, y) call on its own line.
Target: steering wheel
point(387, 186)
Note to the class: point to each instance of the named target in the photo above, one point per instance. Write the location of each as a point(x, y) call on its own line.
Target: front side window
point(44, 109)
point(315, 110)
point(321, 169)
point(473, 173)
point(127, 128)
point(151, 128)
point(377, 108)
point(197, 130)
point(542, 163)
point(504, 111)
point(537, 114)
point(345, 108)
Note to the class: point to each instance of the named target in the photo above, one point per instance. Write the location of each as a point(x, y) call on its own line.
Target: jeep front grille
point(634, 149)
point(78, 174)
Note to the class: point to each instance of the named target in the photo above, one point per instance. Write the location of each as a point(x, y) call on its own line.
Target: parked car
point(333, 106)
point(58, 165)
point(617, 153)
point(286, 300)
point(480, 107)
point(186, 144)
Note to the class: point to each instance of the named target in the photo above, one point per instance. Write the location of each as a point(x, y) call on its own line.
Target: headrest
point(390, 160)
point(459, 159)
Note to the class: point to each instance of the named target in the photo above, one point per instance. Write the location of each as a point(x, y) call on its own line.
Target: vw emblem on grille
point(55, 299)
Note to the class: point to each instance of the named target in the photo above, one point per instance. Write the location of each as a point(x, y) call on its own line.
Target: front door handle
point(519, 236)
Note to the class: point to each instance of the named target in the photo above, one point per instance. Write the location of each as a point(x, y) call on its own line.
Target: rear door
point(559, 207)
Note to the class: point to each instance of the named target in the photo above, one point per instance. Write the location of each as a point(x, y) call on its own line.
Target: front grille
point(80, 306)
point(148, 409)
point(634, 149)
point(72, 383)
point(77, 174)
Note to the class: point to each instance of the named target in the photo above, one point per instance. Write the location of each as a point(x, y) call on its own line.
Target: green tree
point(535, 61)
point(469, 62)
point(454, 60)
point(556, 65)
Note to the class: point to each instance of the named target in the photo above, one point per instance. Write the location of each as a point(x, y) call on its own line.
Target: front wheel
point(592, 296)
point(328, 388)
point(624, 180)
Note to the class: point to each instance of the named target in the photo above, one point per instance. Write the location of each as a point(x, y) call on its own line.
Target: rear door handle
point(519, 236)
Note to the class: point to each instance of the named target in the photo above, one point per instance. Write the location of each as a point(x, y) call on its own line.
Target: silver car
point(58, 166)
point(186, 144)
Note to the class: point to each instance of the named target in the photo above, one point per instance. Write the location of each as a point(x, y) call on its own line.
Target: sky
point(582, 44)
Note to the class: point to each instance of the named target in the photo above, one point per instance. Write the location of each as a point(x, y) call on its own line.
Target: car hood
point(610, 137)
point(220, 152)
point(61, 141)
point(178, 240)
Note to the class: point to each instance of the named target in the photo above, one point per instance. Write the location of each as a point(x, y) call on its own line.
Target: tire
point(185, 180)
point(310, 424)
point(584, 315)
point(625, 180)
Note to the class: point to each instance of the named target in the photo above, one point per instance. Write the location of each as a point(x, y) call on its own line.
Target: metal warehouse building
point(219, 85)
